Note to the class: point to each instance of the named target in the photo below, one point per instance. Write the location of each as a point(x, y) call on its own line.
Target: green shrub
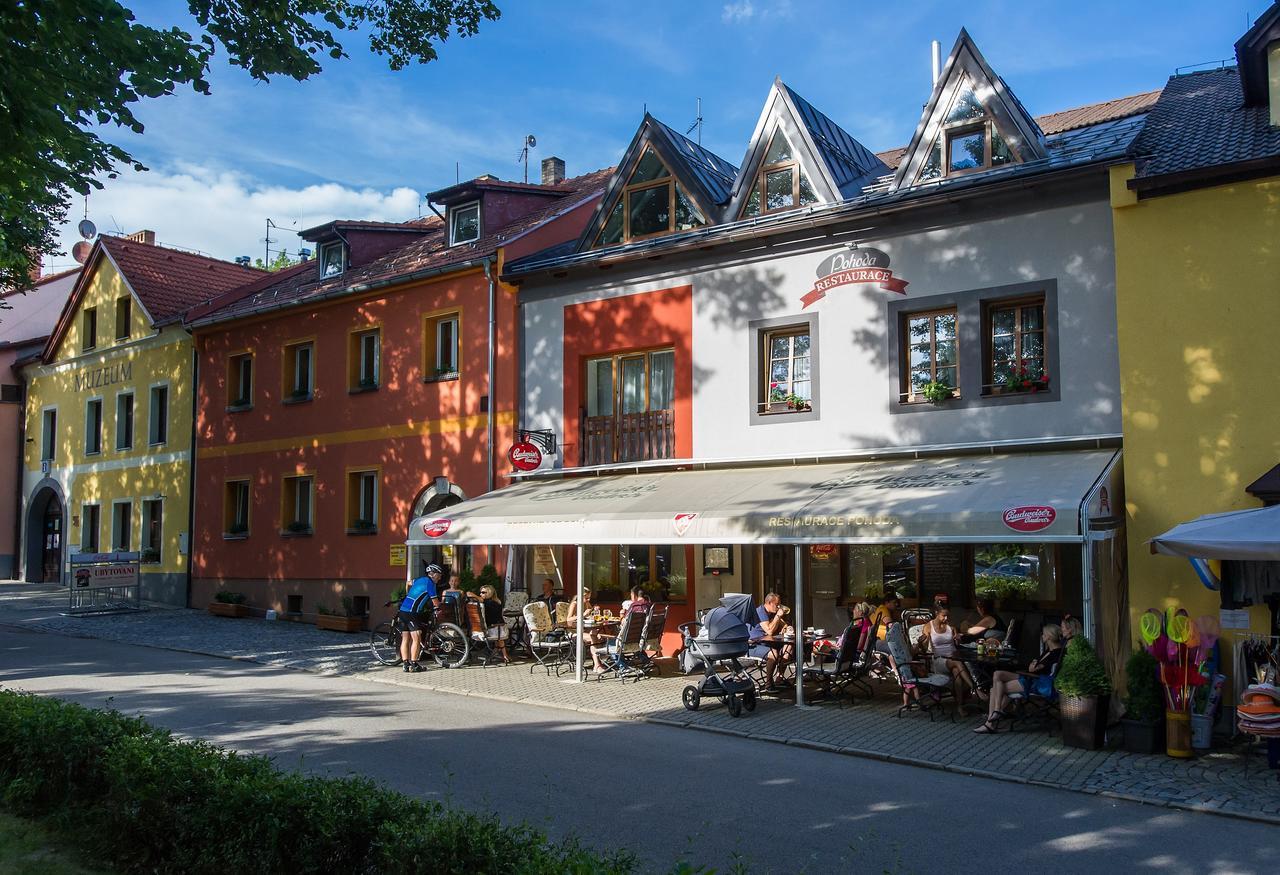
point(227, 597)
point(489, 577)
point(1145, 700)
point(467, 580)
point(1082, 672)
point(143, 801)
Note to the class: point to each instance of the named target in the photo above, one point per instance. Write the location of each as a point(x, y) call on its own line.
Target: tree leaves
point(70, 66)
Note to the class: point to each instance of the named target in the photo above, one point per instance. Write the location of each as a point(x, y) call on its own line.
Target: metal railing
point(628, 437)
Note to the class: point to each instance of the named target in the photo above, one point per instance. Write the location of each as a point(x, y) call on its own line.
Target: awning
point(988, 498)
point(1250, 535)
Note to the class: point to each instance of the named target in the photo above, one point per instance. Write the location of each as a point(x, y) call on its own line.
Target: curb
point(823, 747)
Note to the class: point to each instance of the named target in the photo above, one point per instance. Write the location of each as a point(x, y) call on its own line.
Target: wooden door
point(51, 555)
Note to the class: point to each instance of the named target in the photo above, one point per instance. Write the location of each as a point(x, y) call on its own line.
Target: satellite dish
point(87, 229)
point(81, 250)
point(530, 141)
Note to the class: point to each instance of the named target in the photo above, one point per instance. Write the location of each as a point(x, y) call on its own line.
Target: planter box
point(339, 624)
point(223, 609)
point(1142, 736)
point(1084, 721)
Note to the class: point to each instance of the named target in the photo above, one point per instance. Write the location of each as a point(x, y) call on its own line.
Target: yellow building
point(1197, 228)
point(107, 461)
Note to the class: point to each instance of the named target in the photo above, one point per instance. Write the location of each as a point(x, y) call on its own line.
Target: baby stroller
point(721, 636)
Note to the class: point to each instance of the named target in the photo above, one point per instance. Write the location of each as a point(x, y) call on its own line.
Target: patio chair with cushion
point(478, 630)
point(1033, 707)
point(835, 674)
point(650, 648)
point(921, 689)
point(549, 646)
point(619, 653)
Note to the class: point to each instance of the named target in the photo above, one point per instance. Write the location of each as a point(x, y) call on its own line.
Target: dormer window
point(968, 140)
point(333, 259)
point(464, 224)
point(645, 207)
point(781, 184)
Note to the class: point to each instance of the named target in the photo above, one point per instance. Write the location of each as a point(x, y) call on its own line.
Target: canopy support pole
point(799, 641)
point(577, 644)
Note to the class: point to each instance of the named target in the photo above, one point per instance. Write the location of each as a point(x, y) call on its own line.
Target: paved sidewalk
point(1223, 781)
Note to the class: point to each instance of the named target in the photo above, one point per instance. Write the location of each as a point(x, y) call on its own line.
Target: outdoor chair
point(619, 655)
point(1033, 709)
point(478, 631)
point(513, 613)
point(836, 675)
point(921, 689)
point(562, 614)
point(650, 648)
point(548, 645)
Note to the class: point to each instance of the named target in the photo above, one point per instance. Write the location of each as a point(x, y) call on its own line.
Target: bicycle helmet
point(434, 569)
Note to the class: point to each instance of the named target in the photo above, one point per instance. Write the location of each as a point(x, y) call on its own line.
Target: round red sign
point(435, 528)
point(524, 456)
point(1029, 518)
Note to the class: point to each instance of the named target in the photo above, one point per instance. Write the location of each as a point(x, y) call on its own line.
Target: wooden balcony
point(630, 437)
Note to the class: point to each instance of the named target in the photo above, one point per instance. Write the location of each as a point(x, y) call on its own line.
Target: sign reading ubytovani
point(104, 376)
point(851, 267)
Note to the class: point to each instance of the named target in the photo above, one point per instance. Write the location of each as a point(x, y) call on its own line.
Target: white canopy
point(979, 498)
point(1241, 534)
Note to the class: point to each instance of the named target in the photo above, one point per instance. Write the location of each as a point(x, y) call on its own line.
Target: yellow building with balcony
point(1197, 229)
point(107, 460)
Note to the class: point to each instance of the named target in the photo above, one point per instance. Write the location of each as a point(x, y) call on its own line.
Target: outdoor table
point(786, 670)
point(1002, 660)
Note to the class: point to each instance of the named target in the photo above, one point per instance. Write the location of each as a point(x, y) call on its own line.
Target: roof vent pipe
point(936, 50)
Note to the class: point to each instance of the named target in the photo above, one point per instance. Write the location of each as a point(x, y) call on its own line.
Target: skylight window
point(781, 183)
point(651, 203)
point(464, 224)
point(968, 139)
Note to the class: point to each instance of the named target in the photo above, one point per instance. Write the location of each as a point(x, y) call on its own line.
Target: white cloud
point(224, 213)
point(746, 10)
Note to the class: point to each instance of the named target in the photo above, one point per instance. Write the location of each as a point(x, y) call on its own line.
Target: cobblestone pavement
point(1231, 781)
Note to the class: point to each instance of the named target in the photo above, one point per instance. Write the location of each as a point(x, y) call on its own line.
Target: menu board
point(942, 572)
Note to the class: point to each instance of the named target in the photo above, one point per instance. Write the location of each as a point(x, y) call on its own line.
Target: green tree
point(280, 262)
point(69, 68)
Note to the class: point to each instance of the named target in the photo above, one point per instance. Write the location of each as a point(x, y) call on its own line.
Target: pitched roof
point(428, 254)
point(169, 281)
point(1201, 122)
point(30, 316)
point(1069, 119)
point(852, 164)
point(1252, 50)
point(413, 225)
point(714, 173)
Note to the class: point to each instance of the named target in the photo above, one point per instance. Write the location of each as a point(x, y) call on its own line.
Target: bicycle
point(446, 643)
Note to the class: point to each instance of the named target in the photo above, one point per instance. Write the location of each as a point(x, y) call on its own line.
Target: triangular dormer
point(972, 123)
point(799, 157)
point(664, 184)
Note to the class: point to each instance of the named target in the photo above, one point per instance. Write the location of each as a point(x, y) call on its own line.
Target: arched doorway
point(431, 500)
point(46, 522)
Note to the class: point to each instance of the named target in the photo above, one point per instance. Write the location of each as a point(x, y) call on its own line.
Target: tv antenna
point(530, 141)
point(268, 240)
point(697, 123)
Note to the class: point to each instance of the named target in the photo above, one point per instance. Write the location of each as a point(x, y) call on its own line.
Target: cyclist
point(417, 610)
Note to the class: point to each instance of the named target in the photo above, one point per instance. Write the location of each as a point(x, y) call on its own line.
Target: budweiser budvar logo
point(681, 522)
point(435, 528)
point(524, 456)
point(852, 266)
point(1029, 518)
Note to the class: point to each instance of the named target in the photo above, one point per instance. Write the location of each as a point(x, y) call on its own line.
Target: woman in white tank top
point(939, 641)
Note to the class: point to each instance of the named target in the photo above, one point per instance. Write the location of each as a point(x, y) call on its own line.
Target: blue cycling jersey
point(414, 600)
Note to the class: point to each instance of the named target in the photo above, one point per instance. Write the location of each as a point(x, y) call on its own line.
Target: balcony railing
point(629, 437)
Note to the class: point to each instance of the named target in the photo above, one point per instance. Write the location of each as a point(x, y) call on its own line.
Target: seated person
point(1071, 627)
point(939, 642)
point(988, 621)
point(890, 611)
point(550, 596)
point(771, 620)
point(589, 636)
point(1037, 679)
point(496, 629)
point(859, 627)
point(639, 599)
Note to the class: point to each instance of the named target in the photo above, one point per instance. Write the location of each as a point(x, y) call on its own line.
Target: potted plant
point(150, 556)
point(297, 527)
point(1144, 705)
point(1005, 587)
point(778, 395)
point(936, 392)
point(346, 621)
point(229, 604)
point(1084, 694)
point(1017, 378)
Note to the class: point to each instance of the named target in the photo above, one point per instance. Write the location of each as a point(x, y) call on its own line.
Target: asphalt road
point(666, 793)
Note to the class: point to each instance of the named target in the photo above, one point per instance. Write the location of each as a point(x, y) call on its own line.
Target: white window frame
point(367, 480)
point(454, 212)
point(239, 361)
point(48, 435)
point(116, 546)
point(342, 258)
point(440, 364)
point(310, 348)
point(151, 414)
point(133, 415)
point(373, 336)
point(85, 547)
point(144, 529)
point(88, 405)
point(296, 516)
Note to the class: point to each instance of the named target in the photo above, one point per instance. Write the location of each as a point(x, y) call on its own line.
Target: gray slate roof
point(715, 173)
point(1201, 121)
point(852, 164)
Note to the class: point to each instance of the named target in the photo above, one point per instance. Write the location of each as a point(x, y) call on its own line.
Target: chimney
point(36, 267)
point(935, 52)
point(147, 237)
point(552, 171)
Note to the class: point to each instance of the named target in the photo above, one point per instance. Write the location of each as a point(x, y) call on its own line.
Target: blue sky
point(361, 141)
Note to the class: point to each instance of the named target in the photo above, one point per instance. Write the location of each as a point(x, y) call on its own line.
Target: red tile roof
point(1068, 119)
point(430, 252)
point(170, 281)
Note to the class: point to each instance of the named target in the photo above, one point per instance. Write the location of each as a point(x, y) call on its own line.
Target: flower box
point(223, 609)
point(338, 623)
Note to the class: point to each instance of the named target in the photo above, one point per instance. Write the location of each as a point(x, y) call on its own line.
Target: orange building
point(341, 398)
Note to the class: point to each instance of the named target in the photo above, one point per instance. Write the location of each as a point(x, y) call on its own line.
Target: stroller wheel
point(691, 698)
point(735, 707)
point(749, 700)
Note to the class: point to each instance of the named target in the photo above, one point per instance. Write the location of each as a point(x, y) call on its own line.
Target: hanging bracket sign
point(852, 267)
